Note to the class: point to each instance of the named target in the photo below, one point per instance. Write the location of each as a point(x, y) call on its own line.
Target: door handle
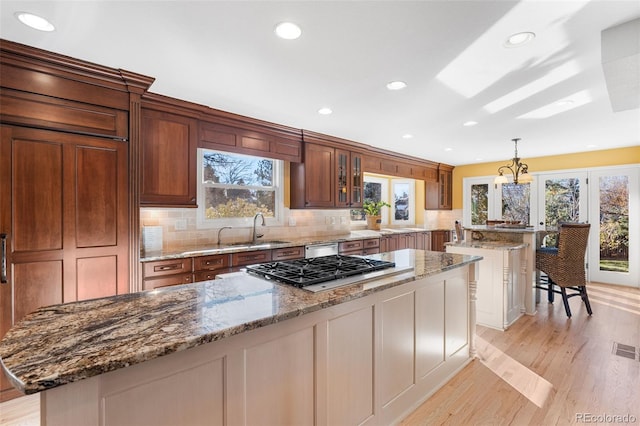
point(3, 275)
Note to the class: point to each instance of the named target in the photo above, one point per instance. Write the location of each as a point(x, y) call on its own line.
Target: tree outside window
point(237, 186)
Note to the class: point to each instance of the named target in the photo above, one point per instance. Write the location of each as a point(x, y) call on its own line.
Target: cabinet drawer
point(349, 246)
point(167, 281)
point(208, 275)
point(372, 250)
point(250, 257)
point(211, 263)
point(373, 242)
point(287, 253)
point(167, 267)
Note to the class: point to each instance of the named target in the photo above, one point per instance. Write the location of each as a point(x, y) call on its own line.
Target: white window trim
point(412, 198)
point(277, 220)
point(384, 193)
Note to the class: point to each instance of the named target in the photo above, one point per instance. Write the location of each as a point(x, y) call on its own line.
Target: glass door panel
point(614, 230)
point(562, 197)
point(516, 205)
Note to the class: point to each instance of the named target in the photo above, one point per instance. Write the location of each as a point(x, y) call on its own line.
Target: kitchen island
point(244, 350)
point(502, 280)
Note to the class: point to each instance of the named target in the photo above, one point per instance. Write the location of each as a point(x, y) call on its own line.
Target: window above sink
point(232, 188)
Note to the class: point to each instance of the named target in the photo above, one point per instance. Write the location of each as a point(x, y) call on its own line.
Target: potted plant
point(372, 210)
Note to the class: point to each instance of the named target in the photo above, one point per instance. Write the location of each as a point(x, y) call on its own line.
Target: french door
point(615, 226)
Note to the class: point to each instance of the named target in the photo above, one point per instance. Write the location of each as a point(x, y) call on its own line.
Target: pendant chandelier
point(519, 170)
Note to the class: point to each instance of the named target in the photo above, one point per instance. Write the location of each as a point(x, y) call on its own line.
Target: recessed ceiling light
point(519, 39)
point(566, 102)
point(592, 145)
point(470, 123)
point(288, 30)
point(479, 159)
point(407, 136)
point(448, 149)
point(325, 111)
point(396, 85)
point(34, 21)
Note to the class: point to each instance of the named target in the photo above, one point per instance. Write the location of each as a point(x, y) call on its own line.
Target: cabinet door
point(342, 184)
point(319, 162)
point(438, 194)
point(357, 181)
point(438, 238)
point(64, 214)
point(445, 190)
point(168, 159)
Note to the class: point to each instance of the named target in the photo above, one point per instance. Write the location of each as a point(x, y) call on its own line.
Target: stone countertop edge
point(61, 344)
point(489, 245)
point(527, 230)
point(197, 251)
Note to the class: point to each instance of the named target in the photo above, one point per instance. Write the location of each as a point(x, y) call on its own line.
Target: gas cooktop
point(313, 273)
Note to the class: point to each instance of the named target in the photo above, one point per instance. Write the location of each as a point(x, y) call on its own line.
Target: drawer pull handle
point(213, 262)
point(168, 267)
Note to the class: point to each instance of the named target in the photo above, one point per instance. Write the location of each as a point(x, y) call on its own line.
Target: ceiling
point(224, 54)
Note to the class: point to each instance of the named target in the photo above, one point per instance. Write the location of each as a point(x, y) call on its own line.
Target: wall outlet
point(292, 221)
point(333, 220)
point(327, 220)
point(180, 225)
point(343, 220)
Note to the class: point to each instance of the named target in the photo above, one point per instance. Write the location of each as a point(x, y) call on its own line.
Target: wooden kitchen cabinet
point(328, 177)
point(206, 268)
point(350, 247)
point(163, 273)
point(168, 159)
point(371, 246)
point(250, 258)
point(251, 142)
point(388, 242)
point(349, 179)
point(287, 253)
point(63, 213)
point(423, 240)
point(438, 194)
point(438, 238)
point(313, 182)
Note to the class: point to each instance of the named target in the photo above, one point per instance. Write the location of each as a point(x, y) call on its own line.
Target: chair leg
point(585, 299)
point(550, 285)
point(565, 300)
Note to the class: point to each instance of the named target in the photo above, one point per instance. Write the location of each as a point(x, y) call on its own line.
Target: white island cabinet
point(365, 354)
point(502, 280)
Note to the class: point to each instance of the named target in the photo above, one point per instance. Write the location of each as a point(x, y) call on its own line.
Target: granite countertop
point(501, 228)
point(266, 245)
point(490, 245)
point(65, 343)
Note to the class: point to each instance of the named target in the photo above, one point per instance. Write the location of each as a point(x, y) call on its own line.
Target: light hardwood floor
point(545, 370)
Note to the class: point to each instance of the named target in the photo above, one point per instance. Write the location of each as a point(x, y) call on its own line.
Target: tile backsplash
point(179, 226)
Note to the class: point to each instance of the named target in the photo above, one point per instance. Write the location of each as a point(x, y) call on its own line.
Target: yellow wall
point(609, 157)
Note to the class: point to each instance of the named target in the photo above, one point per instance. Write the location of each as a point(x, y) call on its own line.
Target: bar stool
point(564, 266)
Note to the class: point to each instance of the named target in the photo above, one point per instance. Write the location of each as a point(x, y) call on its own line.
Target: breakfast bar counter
point(225, 348)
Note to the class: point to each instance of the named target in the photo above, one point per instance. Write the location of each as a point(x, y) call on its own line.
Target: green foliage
point(237, 207)
point(372, 208)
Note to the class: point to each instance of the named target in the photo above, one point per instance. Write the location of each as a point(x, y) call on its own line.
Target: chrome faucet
point(220, 231)
point(255, 235)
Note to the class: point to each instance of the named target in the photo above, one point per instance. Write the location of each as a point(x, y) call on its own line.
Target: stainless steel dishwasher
point(317, 250)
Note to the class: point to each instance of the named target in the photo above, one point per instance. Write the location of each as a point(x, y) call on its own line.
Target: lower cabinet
point(368, 361)
point(438, 238)
point(163, 273)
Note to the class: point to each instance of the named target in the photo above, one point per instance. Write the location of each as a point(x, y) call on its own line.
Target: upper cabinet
point(328, 177)
point(168, 159)
point(252, 142)
point(349, 183)
point(439, 194)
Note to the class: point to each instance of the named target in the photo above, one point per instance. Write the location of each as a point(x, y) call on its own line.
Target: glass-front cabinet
point(349, 179)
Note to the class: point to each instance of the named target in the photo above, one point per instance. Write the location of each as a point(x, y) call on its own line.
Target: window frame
point(278, 179)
